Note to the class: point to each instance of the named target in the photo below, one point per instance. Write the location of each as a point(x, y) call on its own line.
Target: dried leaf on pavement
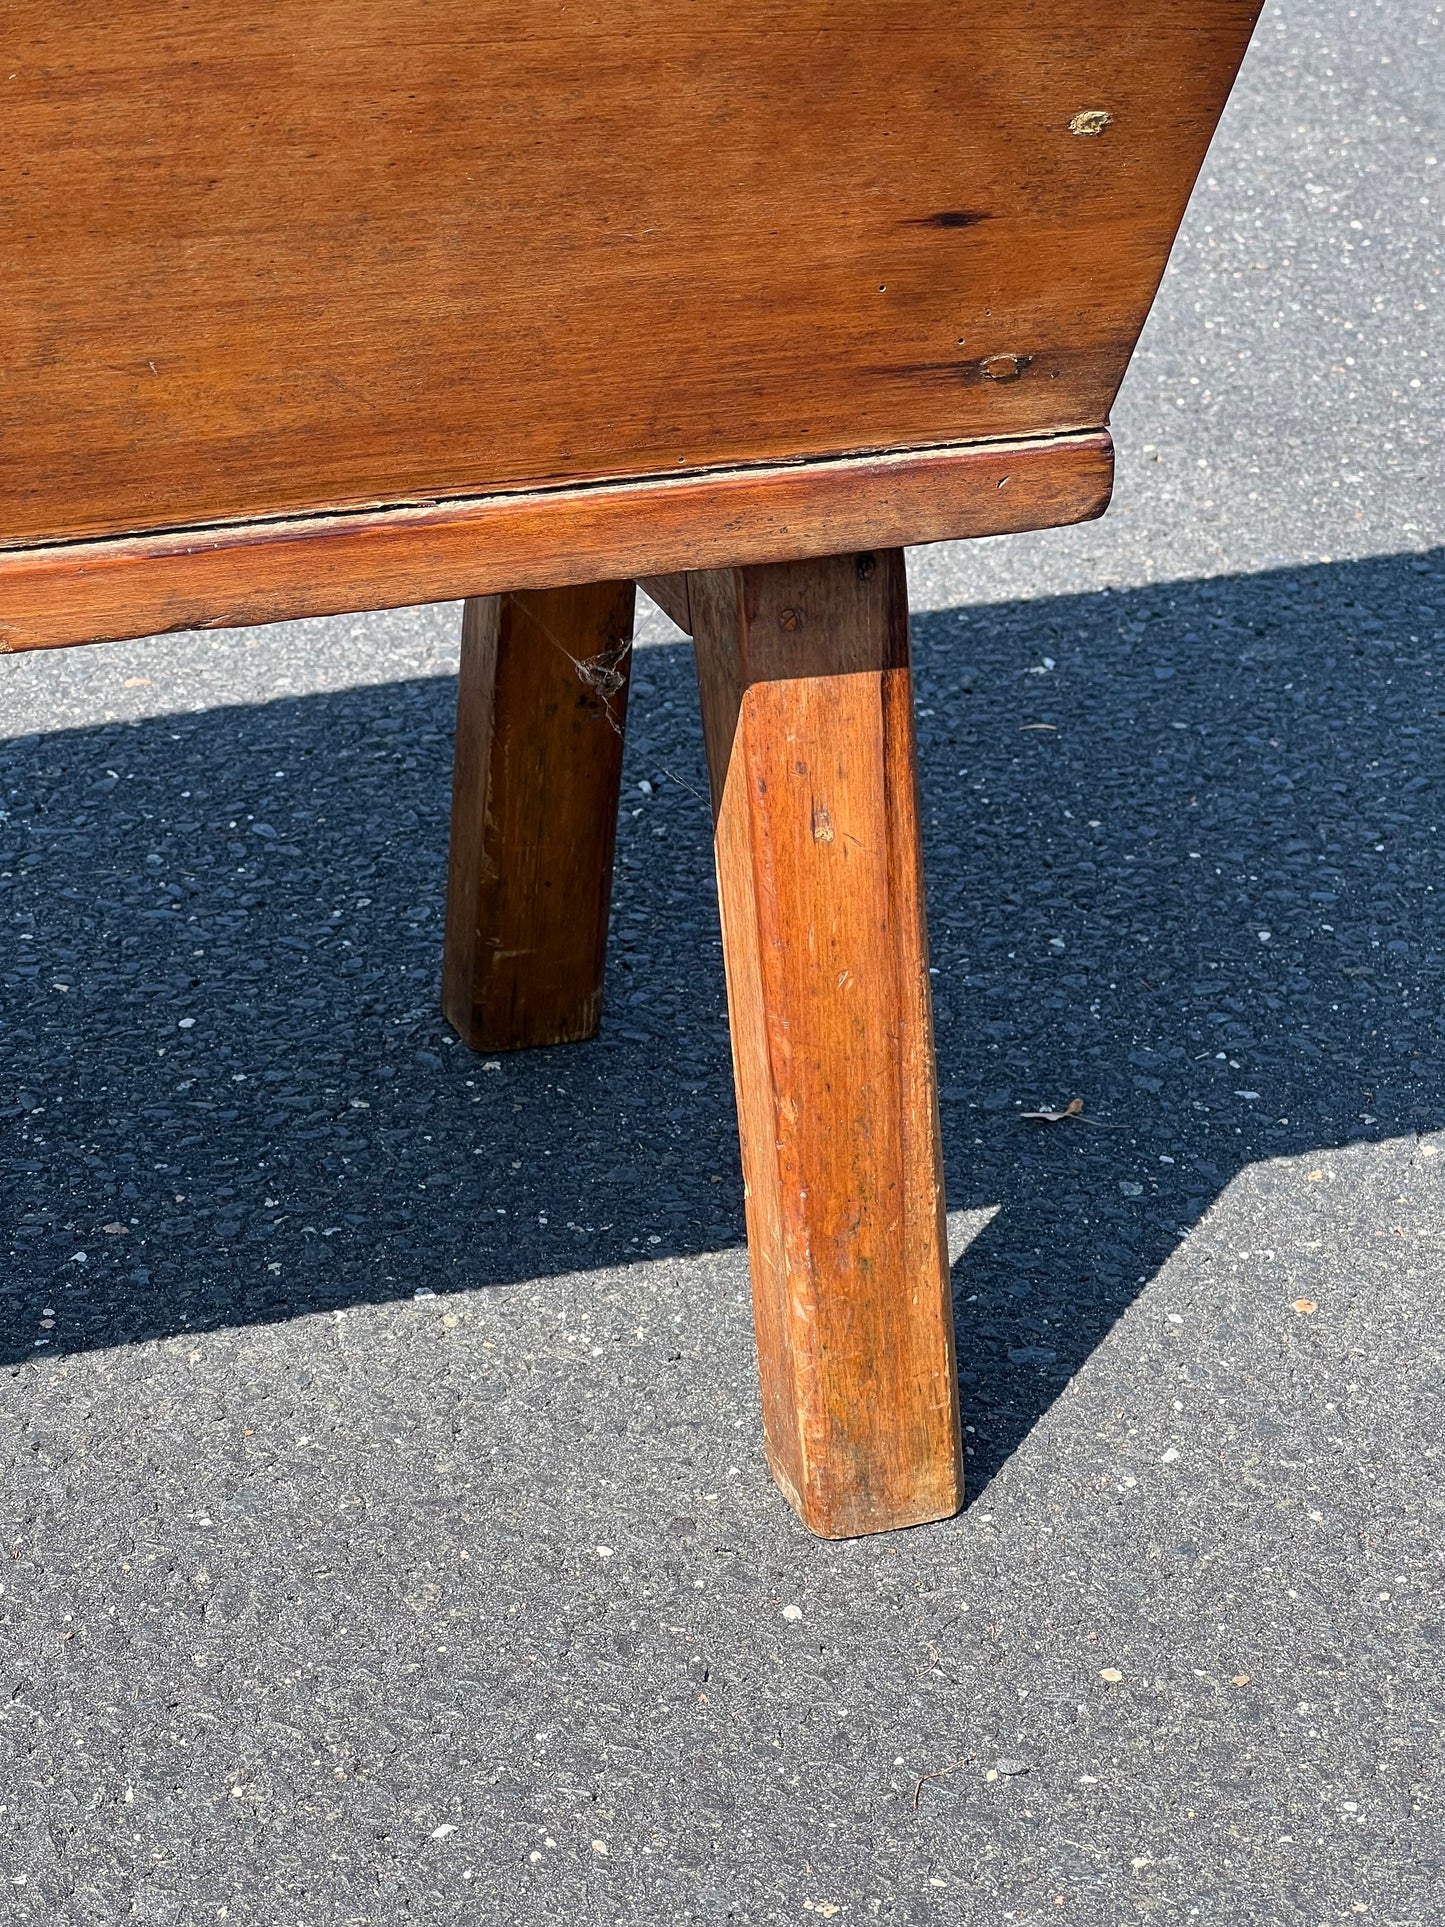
point(1045, 1115)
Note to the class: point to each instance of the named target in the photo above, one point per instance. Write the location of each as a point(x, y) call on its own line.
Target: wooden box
point(324, 305)
point(352, 303)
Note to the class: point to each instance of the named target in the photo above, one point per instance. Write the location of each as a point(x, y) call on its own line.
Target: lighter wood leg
point(807, 712)
point(540, 708)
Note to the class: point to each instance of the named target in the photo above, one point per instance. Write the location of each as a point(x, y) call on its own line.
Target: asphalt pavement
point(387, 1535)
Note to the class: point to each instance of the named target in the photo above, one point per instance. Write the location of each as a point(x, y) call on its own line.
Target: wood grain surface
point(669, 592)
point(264, 572)
point(804, 676)
point(541, 702)
point(270, 259)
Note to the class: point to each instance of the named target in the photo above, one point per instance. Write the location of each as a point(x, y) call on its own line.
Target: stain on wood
point(952, 218)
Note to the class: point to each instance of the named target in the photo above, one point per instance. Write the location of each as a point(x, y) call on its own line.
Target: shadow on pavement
point(1182, 863)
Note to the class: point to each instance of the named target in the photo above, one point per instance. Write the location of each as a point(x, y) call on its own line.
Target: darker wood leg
point(807, 711)
point(540, 710)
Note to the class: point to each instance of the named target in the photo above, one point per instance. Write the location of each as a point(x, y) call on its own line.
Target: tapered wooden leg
point(807, 712)
point(540, 709)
